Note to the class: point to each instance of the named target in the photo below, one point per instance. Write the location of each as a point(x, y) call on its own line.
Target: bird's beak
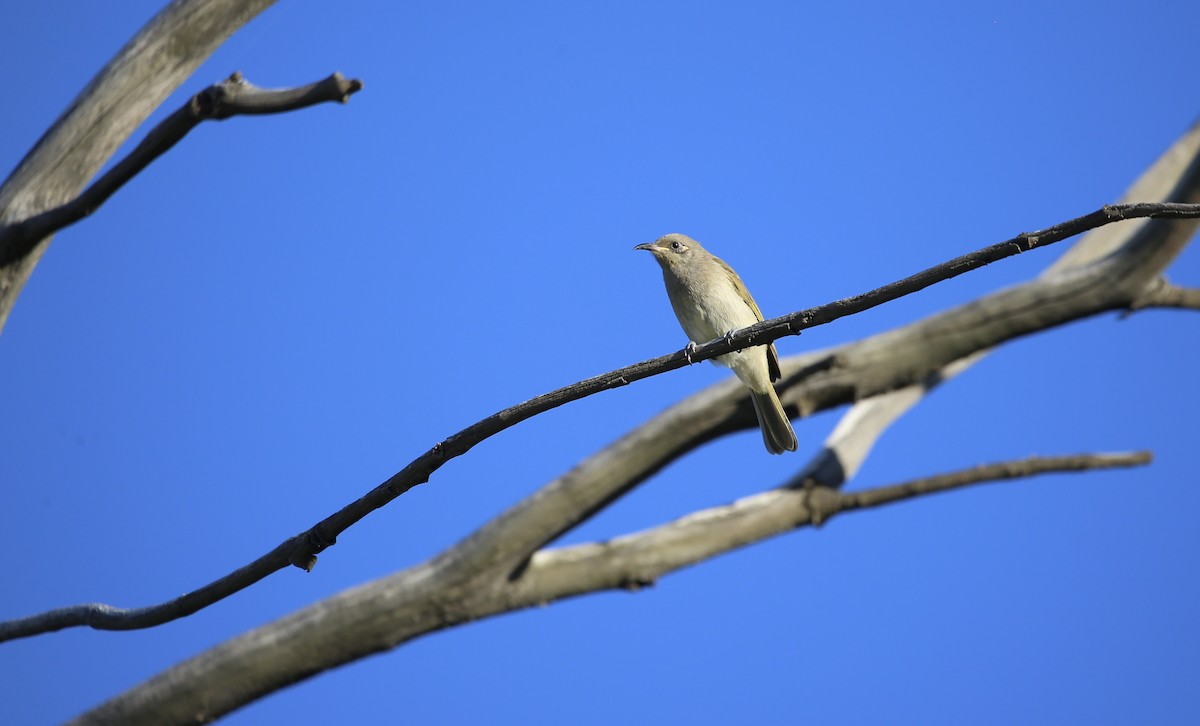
point(649, 247)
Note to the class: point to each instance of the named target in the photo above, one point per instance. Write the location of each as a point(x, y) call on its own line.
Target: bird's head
point(672, 250)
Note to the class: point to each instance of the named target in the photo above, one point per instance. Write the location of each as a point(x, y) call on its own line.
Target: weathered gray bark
point(141, 76)
point(502, 566)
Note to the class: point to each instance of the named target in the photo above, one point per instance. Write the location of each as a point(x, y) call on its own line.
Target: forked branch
point(1163, 294)
point(638, 559)
point(427, 598)
point(232, 97)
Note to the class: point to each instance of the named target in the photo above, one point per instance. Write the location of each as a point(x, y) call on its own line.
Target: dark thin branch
point(232, 97)
point(301, 550)
point(107, 617)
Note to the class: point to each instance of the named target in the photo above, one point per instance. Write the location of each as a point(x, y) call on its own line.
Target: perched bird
point(710, 301)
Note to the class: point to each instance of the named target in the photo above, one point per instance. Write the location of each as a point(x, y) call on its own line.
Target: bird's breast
point(708, 311)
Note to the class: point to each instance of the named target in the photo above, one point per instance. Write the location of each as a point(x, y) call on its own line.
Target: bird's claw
point(688, 350)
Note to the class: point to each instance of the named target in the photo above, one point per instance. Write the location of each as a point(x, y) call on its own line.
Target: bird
point(711, 301)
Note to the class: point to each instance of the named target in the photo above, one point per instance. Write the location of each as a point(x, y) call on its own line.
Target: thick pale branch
point(818, 382)
point(232, 97)
point(420, 600)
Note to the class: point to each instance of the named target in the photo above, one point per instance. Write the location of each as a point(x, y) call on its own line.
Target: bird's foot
point(688, 350)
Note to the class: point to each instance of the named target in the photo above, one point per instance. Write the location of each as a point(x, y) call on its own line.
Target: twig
point(301, 550)
point(232, 97)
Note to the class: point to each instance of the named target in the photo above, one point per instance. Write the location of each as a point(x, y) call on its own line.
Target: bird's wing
point(773, 363)
point(772, 354)
point(741, 288)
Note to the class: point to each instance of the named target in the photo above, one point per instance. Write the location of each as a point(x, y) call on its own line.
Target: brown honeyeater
point(710, 301)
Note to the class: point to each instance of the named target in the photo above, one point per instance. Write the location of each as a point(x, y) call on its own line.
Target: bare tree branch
point(300, 550)
point(847, 446)
point(1163, 294)
point(154, 63)
point(232, 97)
point(402, 606)
point(638, 559)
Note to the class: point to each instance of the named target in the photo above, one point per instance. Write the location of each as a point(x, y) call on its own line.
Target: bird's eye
point(675, 245)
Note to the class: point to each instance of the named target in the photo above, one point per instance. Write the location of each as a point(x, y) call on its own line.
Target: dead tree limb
point(232, 97)
point(434, 596)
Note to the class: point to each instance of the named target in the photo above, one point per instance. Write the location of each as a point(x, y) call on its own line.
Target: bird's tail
point(776, 429)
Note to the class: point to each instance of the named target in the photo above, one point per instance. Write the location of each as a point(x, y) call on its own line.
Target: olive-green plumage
point(710, 300)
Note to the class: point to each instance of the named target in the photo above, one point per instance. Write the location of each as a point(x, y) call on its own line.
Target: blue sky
point(282, 312)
